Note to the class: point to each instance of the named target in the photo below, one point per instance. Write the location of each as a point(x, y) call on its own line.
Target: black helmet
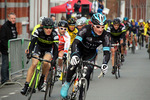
point(47, 22)
point(71, 21)
point(63, 23)
point(109, 21)
point(116, 21)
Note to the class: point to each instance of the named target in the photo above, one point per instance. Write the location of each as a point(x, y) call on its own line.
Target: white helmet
point(141, 20)
point(41, 18)
point(83, 19)
point(79, 22)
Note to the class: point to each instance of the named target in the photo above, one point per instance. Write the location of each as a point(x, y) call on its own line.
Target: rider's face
point(62, 30)
point(71, 27)
point(116, 26)
point(48, 30)
point(98, 29)
point(79, 27)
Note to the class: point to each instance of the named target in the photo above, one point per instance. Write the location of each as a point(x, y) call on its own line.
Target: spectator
point(94, 6)
point(69, 9)
point(54, 20)
point(101, 4)
point(8, 31)
point(77, 7)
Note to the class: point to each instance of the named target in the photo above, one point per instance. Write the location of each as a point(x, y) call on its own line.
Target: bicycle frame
point(38, 68)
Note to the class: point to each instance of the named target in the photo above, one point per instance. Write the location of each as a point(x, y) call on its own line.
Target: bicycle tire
point(133, 47)
point(83, 89)
point(115, 65)
point(64, 73)
point(48, 85)
point(32, 85)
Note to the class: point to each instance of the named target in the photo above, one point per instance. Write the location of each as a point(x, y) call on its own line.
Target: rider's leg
point(113, 58)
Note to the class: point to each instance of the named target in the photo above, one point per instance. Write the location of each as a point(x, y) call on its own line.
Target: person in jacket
point(8, 31)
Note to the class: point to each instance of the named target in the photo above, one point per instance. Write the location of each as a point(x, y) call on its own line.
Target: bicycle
point(117, 60)
point(35, 78)
point(78, 84)
point(133, 45)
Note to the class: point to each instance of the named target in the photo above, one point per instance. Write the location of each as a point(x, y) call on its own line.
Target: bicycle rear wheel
point(83, 89)
point(49, 85)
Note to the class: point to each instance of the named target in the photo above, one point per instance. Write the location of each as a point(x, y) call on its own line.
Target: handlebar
point(40, 59)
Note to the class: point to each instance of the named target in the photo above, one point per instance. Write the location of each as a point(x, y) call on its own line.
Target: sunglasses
point(63, 28)
point(99, 26)
point(48, 27)
point(71, 25)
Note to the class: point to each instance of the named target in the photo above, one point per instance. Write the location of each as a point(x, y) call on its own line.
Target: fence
point(17, 59)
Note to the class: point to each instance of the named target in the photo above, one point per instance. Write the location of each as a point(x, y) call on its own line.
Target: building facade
point(20, 8)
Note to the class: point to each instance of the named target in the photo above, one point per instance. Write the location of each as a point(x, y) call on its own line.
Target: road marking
point(12, 93)
point(4, 96)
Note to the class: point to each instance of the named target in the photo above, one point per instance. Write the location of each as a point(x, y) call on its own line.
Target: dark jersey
point(44, 41)
point(116, 33)
point(87, 42)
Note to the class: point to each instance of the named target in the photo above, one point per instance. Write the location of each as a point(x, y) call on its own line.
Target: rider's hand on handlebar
point(104, 68)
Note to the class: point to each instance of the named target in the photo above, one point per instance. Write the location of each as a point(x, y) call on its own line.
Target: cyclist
point(44, 37)
point(147, 32)
point(133, 32)
point(127, 26)
point(71, 29)
point(84, 46)
point(39, 25)
point(141, 31)
point(117, 32)
point(64, 43)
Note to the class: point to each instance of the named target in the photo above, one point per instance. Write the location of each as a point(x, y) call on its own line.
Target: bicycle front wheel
point(83, 89)
point(49, 85)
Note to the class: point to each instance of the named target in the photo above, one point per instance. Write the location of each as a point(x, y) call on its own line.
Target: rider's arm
point(77, 41)
point(67, 43)
point(106, 48)
point(55, 45)
point(33, 41)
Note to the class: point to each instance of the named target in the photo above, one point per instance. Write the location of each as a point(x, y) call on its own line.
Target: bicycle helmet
point(141, 21)
point(148, 21)
point(47, 22)
point(83, 19)
point(71, 21)
point(63, 23)
point(132, 20)
point(79, 22)
point(98, 19)
point(125, 19)
point(109, 21)
point(41, 18)
point(116, 21)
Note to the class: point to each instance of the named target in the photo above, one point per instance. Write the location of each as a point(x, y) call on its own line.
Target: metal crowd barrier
point(17, 59)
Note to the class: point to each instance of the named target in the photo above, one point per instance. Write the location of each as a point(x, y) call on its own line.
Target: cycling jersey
point(44, 41)
point(121, 30)
point(72, 34)
point(147, 30)
point(37, 26)
point(127, 26)
point(87, 42)
point(134, 29)
point(64, 41)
